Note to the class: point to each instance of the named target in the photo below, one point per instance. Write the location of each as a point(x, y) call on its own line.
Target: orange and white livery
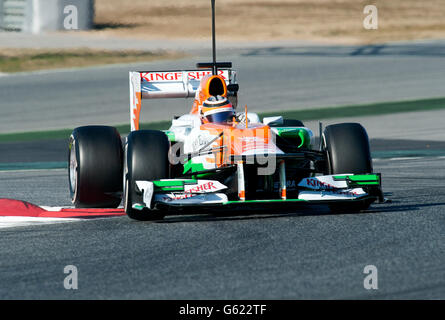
point(214, 155)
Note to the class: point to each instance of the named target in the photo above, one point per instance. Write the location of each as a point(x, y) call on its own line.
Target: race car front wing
point(317, 189)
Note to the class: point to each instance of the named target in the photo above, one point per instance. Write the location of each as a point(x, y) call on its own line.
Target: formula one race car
point(215, 156)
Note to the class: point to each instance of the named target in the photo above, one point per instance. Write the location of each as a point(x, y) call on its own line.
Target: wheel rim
point(73, 168)
point(126, 195)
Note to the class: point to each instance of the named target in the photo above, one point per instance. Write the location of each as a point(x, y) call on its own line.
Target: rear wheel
point(95, 167)
point(348, 151)
point(146, 158)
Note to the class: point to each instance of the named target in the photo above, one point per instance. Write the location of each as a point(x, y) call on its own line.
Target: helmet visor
point(219, 117)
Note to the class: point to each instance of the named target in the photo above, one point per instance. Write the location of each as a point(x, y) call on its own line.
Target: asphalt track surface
point(303, 253)
point(271, 78)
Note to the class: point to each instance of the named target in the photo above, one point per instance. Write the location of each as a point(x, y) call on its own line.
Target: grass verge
point(19, 60)
point(308, 114)
point(338, 21)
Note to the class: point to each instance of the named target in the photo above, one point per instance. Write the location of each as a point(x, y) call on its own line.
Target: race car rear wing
point(170, 84)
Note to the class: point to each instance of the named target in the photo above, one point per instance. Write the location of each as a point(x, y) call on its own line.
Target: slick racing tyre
point(348, 151)
point(95, 161)
point(145, 158)
point(347, 147)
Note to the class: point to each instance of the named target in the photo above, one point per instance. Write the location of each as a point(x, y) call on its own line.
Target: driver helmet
point(217, 109)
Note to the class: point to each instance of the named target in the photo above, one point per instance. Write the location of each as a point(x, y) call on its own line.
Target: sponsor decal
point(204, 186)
point(161, 76)
point(328, 186)
point(318, 184)
point(332, 194)
point(290, 184)
point(178, 75)
point(173, 196)
point(202, 139)
point(198, 75)
point(191, 199)
point(346, 192)
point(322, 183)
point(197, 191)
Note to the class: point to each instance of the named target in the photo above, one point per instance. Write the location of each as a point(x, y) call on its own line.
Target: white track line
point(55, 209)
point(404, 158)
point(17, 221)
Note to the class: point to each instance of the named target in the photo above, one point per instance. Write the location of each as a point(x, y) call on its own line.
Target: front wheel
point(145, 159)
point(348, 151)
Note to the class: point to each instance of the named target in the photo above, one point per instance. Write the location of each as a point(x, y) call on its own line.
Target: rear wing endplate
point(168, 84)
